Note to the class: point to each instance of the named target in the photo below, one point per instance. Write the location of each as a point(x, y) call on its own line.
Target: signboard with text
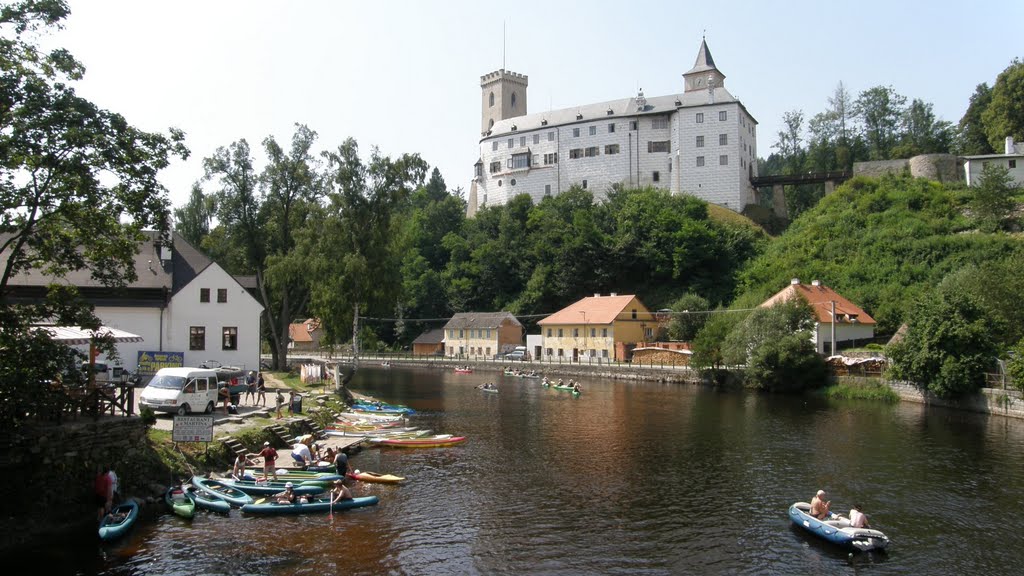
point(150, 362)
point(197, 428)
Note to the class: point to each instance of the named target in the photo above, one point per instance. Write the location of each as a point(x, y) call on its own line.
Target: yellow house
point(596, 328)
point(486, 334)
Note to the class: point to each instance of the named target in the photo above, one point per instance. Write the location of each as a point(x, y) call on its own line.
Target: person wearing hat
point(819, 507)
point(340, 492)
point(288, 496)
point(269, 461)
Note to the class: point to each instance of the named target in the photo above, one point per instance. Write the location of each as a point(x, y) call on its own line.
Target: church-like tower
point(704, 72)
point(502, 95)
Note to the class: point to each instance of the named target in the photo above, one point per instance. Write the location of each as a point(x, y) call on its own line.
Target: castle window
point(723, 139)
point(633, 124)
point(513, 99)
point(723, 160)
point(551, 158)
point(547, 192)
point(659, 122)
point(611, 127)
point(499, 183)
point(1013, 163)
point(700, 161)
point(520, 161)
point(491, 124)
point(575, 132)
point(660, 146)
point(492, 100)
point(479, 170)
point(611, 149)
point(495, 166)
point(593, 130)
point(656, 176)
point(592, 151)
point(551, 136)
point(511, 142)
point(575, 153)
point(584, 184)
point(535, 160)
point(522, 141)
point(700, 118)
point(723, 116)
point(700, 141)
point(512, 182)
point(536, 138)
point(494, 146)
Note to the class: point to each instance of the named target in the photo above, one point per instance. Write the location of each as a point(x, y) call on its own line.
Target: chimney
point(1009, 145)
point(597, 294)
point(795, 281)
point(815, 282)
point(614, 294)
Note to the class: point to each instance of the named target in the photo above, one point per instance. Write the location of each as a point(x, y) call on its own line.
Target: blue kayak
point(119, 520)
point(206, 501)
point(303, 488)
point(232, 495)
point(837, 530)
point(317, 505)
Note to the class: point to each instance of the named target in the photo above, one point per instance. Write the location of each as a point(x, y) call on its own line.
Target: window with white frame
point(723, 116)
point(700, 141)
point(593, 130)
point(700, 118)
point(511, 142)
point(659, 122)
point(551, 136)
point(592, 151)
point(522, 141)
point(551, 158)
point(520, 161)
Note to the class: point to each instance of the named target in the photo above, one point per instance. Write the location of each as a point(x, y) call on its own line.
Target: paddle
point(261, 501)
point(330, 515)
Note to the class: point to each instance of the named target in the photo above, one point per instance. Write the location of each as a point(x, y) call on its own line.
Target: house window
point(659, 122)
point(494, 146)
point(559, 332)
point(561, 353)
point(575, 132)
point(575, 153)
point(723, 139)
point(661, 146)
point(1013, 163)
point(592, 151)
point(700, 161)
point(536, 138)
point(461, 333)
point(488, 353)
point(522, 141)
point(584, 184)
point(197, 338)
point(204, 294)
point(520, 161)
point(633, 124)
point(593, 130)
point(700, 117)
point(604, 353)
point(656, 176)
point(593, 332)
point(551, 136)
point(633, 314)
point(222, 295)
point(700, 141)
point(549, 336)
point(723, 160)
point(535, 160)
point(230, 338)
point(611, 149)
point(495, 166)
point(723, 116)
point(575, 332)
point(551, 158)
point(611, 128)
point(604, 332)
point(547, 192)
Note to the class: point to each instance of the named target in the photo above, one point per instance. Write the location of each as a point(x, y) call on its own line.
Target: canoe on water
point(316, 505)
point(232, 495)
point(364, 476)
point(260, 488)
point(119, 520)
point(180, 502)
point(837, 530)
point(440, 441)
point(207, 501)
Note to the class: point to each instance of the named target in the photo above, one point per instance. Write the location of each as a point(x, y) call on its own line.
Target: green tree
point(922, 133)
point(992, 199)
point(690, 313)
point(78, 185)
point(880, 111)
point(1015, 367)
point(789, 142)
point(708, 345)
point(971, 137)
point(787, 364)
point(1004, 115)
point(192, 220)
point(948, 345)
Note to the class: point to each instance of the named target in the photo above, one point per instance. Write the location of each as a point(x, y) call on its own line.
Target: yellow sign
point(150, 362)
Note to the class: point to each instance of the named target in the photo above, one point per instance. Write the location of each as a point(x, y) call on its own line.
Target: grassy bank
point(869, 391)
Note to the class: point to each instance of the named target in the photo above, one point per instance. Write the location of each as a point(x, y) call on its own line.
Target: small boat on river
point(180, 502)
point(119, 520)
point(837, 529)
point(364, 476)
point(232, 495)
point(312, 506)
point(438, 441)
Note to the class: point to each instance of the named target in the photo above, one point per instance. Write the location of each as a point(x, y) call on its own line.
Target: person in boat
point(576, 387)
point(559, 382)
point(340, 492)
point(819, 506)
point(288, 496)
point(857, 518)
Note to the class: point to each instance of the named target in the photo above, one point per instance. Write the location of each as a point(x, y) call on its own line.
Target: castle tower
point(502, 95)
point(703, 72)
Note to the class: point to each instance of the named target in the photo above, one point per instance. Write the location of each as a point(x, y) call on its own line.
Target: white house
point(187, 309)
point(701, 141)
point(1012, 159)
point(831, 311)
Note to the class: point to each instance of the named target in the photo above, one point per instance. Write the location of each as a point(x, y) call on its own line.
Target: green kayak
point(180, 502)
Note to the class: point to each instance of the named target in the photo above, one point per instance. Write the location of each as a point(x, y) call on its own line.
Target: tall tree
point(971, 137)
point(790, 141)
point(993, 199)
point(880, 111)
point(1004, 115)
point(923, 133)
point(192, 220)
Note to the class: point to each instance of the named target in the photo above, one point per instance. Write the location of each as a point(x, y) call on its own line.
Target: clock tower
point(703, 74)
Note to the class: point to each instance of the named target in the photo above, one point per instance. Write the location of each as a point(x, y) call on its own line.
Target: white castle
point(702, 142)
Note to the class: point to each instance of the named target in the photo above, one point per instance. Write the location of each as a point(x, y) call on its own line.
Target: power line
point(652, 315)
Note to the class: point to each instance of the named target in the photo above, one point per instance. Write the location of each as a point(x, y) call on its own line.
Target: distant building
point(484, 334)
point(305, 336)
point(1012, 159)
point(597, 328)
point(429, 343)
point(701, 142)
point(851, 322)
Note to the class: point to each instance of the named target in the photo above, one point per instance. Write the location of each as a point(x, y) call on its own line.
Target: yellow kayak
point(364, 476)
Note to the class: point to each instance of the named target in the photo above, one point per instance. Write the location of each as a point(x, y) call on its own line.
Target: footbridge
point(778, 182)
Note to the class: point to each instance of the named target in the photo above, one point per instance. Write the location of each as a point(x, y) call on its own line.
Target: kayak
point(463, 370)
point(313, 506)
point(256, 488)
point(294, 475)
point(119, 520)
point(424, 442)
point(837, 529)
point(568, 389)
point(180, 502)
point(232, 495)
point(365, 476)
point(206, 501)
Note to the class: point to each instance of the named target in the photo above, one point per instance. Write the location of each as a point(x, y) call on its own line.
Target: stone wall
point(988, 401)
point(940, 167)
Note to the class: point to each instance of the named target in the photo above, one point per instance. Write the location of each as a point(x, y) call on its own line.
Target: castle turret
point(704, 72)
point(503, 95)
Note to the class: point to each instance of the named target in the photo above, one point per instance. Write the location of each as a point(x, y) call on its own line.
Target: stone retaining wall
point(988, 401)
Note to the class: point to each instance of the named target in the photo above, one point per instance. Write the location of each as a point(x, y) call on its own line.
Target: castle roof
point(704, 61)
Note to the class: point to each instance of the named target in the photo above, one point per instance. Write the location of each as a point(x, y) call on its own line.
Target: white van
point(181, 390)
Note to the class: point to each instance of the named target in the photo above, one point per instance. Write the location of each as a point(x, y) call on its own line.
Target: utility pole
point(833, 327)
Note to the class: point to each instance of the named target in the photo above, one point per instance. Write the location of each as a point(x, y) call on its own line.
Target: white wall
point(142, 321)
point(844, 333)
point(973, 168)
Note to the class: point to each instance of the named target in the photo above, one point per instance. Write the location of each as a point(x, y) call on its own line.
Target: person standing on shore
point(269, 461)
point(261, 390)
point(115, 486)
point(104, 497)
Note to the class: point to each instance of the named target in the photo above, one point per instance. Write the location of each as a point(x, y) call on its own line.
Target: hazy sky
point(404, 76)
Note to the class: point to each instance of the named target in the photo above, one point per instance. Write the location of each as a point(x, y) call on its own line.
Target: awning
point(73, 335)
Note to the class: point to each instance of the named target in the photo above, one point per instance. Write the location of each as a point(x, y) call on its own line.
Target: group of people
point(487, 386)
point(256, 388)
point(821, 509)
point(338, 493)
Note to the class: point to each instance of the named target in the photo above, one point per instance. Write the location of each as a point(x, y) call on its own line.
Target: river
point(629, 478)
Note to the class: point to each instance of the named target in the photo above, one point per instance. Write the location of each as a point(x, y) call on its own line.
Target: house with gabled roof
point(184, 305)
point(597, 328)
point(486, 334)
point(833, 314)
point(305, 336)
point(429, 343)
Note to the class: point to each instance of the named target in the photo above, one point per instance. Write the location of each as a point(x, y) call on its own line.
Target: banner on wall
point(150, 362)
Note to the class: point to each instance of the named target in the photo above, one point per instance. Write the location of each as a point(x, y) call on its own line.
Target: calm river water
point(630, 478)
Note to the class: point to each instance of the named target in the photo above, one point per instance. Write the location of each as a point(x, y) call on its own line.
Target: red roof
point(596, 310)
point(303, 331)
point(820, 298)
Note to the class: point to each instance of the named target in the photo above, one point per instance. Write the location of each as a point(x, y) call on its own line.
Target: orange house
point(833, 314)
point(597, 328)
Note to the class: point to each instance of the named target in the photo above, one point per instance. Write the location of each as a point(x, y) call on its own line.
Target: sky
point(404, 76)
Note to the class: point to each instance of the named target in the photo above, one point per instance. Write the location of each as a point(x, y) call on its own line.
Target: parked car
point(519, 353)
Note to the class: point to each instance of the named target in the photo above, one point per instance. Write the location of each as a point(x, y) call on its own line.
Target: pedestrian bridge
point(778, 182)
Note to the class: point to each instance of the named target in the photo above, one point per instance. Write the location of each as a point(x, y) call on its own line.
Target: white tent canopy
point(73, 335)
